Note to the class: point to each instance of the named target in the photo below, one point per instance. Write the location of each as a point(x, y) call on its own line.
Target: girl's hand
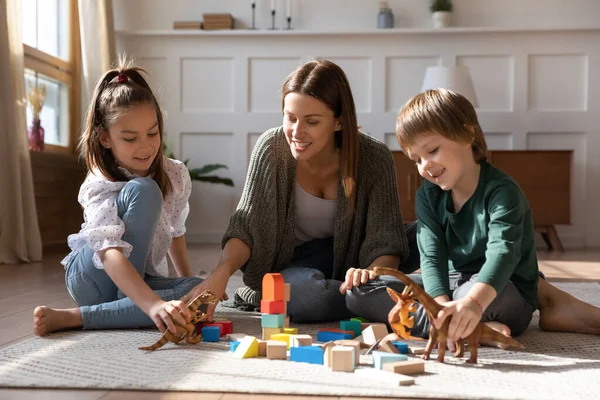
point(166, 314)
point(466, 314)
point(356, 277)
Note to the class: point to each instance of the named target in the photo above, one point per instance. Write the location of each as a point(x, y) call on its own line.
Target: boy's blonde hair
point(443, 112)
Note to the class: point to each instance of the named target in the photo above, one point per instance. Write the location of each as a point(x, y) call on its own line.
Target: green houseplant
point(202, 174)
point(441, 13)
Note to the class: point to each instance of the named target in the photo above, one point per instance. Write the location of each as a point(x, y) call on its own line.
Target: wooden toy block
point(248, 348)
point(327, 336)
point(340, 331)
point(236, 337)
point(408, 367)
point(290, 331)
point(262, 348)
point(374, 332)
point(307, 354)
point(272, 307)
point(416, 350)
point(384, 376)
point(359, 319)
point(380, 358)
point(285, 303)
point(211, 333)
point(286, 322)
point(359, 339)
point(276, 350)
point(353, 326)
point(273, 287)
point(355, 344)
point(272, 320)
point(342, 359)
point(401, 346)
point(282, 337)
point(388, 347)
point(287, 291)
point(300, 340)
point(233, 346)
point(268, 332)
point(227, 326)
point(211, 324)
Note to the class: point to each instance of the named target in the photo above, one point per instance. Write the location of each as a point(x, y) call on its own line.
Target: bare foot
point(498, 327)
point(561, 312)
point(47, 320)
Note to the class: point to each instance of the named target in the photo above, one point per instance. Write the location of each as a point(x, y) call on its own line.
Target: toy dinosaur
point(481, 333)
point(187, 331)
point(398, 317)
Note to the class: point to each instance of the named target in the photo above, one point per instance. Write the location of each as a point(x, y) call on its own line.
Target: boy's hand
point(465, 313)
point(356, 277)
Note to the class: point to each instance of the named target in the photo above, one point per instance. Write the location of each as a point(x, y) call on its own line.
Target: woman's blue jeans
point(102, 304)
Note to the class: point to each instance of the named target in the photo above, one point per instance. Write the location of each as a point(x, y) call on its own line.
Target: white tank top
point(315, 217)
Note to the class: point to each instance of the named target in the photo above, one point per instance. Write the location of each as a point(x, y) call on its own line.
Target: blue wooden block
point(401, 346)
point(353, 326)
point(272, 320)
point(324, 336)
point(382, 357)
point(233, 346)
point(211, 333)
point(307, 354)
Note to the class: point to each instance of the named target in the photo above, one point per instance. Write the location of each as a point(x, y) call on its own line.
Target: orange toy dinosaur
point(413, 291)
point(187, 331)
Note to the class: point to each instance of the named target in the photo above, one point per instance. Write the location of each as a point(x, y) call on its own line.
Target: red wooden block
point(272, 307)
point(225, 327)
point(273, 287)
point(338, 331)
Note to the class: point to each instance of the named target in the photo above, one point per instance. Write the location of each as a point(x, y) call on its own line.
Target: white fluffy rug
point(553, 366)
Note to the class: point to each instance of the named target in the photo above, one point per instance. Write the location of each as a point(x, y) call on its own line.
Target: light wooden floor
point(24, 286)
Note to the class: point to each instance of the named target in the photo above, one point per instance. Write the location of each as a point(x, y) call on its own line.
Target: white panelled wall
point(537, 89)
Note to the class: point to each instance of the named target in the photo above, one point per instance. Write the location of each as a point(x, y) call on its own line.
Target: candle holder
point(272, 20)
point(289, 23)
point(253, 16)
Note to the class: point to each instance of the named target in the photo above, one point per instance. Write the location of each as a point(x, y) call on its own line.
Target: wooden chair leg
point(556, 244)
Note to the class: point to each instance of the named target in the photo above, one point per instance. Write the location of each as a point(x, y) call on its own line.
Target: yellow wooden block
point(268, 332)
point(276, 350)
point(248, 348)
point(282, 337)
point(287, 290)
point(291, 331)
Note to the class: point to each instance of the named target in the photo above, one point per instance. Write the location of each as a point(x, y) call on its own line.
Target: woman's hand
point(466, 314)
point(355, 277)
point(166, 314)
point(216, 283)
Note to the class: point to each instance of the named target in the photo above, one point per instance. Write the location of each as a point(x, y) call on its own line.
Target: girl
point(320, 199)
point(475, 229)
point(135, 203)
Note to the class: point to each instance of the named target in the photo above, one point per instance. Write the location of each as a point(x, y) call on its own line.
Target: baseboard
point(569, 242)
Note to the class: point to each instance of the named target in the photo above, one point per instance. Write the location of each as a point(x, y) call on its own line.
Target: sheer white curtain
point(20, 239)
point(97, 33)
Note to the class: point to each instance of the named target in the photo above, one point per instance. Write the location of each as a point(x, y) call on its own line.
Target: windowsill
point(55, 149)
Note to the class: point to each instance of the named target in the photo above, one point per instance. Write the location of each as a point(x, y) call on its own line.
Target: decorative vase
point(441, 19)
point(36, 136)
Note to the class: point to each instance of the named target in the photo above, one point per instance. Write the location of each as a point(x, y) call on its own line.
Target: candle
point(272, 5)
point(288, 8)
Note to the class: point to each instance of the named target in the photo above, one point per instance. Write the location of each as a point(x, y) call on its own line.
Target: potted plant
point(202, 174)
point(441, 13)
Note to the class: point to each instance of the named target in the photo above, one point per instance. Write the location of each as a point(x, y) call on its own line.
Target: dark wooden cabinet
point(543, 175)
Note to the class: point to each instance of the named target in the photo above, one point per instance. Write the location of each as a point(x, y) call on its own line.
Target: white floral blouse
point(102, 228)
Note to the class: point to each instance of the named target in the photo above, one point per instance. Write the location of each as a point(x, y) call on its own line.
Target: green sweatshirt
point(492, 235)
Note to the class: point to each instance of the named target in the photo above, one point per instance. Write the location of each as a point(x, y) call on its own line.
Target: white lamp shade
point(456, 79)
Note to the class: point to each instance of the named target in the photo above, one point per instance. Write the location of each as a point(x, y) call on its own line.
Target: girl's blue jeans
point(102, 304)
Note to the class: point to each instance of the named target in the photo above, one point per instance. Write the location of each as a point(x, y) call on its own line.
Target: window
point(52, 59)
